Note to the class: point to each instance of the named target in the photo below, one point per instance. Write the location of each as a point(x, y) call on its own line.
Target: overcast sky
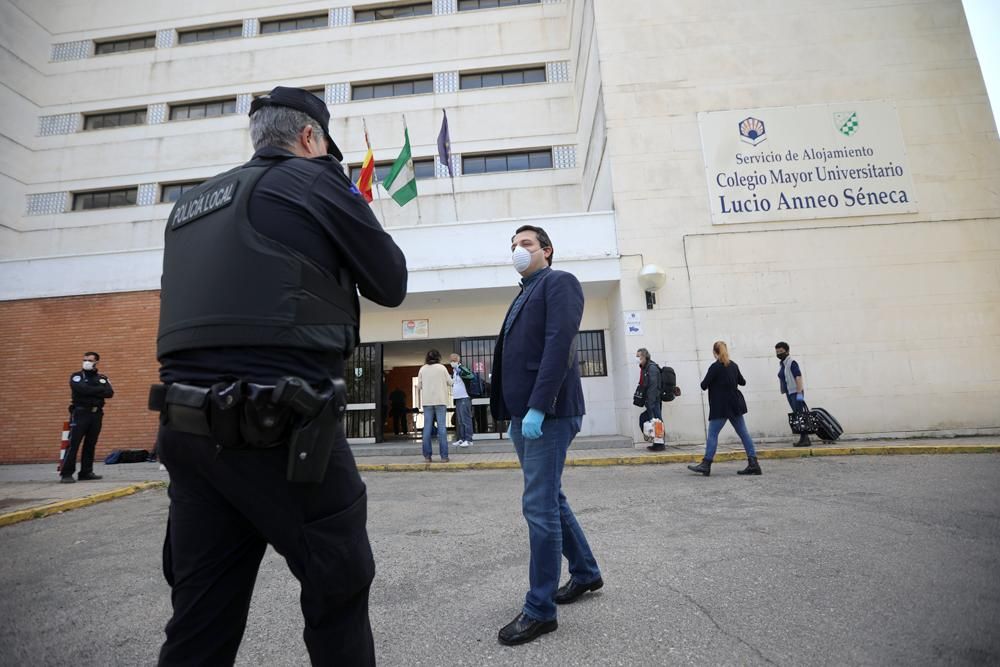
point(984, 22)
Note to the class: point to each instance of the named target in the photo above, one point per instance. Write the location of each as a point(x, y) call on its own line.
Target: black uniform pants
point(399, 421)
point(85, 426)
point(226, 506)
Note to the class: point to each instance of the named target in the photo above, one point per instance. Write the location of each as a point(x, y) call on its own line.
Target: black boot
point(705, 467)
point(753, 468)
point(803, 441)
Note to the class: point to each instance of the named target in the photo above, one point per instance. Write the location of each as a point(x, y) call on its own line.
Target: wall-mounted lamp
point(651, 278)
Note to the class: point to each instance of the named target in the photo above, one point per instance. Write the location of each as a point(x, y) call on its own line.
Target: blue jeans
point(652, 410)
point(439, 413)
point(553, 530)
point(463, 419)
point(715, 425)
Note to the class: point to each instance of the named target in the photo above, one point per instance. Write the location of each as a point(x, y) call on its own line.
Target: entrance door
point(365, 402)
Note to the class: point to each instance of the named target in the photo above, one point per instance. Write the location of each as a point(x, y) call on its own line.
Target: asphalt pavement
point(821, 561)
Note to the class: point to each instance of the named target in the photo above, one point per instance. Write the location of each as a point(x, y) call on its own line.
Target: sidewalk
point(33, 490)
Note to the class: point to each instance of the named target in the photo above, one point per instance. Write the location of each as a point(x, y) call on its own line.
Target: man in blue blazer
point(536, 385)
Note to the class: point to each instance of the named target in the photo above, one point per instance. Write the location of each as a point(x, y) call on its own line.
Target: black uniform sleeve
point(374, 259)
point(108, 390)
point(81, 389)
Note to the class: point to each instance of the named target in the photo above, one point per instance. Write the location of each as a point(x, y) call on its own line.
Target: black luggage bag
point(826, 425)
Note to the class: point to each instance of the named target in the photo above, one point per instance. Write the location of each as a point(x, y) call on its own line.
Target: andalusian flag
point(401, 181)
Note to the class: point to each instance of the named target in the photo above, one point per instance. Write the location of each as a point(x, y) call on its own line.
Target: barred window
point(171, 192)
point(369, 91)
point(422, 168)
point(464, 5)
point(100, 121)
point(296, 23)
point(477, 356)
point(122, 45)
point(496, 162)
point(203, 109)
point(590, 350)
point(212, 34)
point(85, 201)
point(394, 12)
point(512, 77)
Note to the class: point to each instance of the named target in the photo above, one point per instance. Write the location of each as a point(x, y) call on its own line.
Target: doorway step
point(486, 446)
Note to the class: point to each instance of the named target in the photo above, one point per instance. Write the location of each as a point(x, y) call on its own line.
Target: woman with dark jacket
point(725, 403)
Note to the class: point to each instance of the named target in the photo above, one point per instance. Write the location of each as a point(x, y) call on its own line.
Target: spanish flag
point(367, 173)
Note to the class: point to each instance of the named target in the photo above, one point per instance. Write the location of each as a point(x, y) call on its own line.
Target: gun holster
point(316, 417)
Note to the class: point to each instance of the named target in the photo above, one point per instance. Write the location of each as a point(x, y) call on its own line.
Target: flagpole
point(420, 219)
point(368, 145)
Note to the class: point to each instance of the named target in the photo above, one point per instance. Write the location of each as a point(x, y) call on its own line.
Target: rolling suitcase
point(827, 426)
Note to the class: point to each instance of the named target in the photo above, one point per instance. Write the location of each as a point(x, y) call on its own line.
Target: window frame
point(79, 197)
point(375, 18)
point(181, 34)
point(186, 186)
point(149, 42)
point(464, 5)
point(354, 170)
point(87, 117)
point(171, 108)
point(601, 349)
point(281, 19)
point(423, 81)
point(465, 77)
point(467, 160)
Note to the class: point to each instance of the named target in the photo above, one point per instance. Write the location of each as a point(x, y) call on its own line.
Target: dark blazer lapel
point(527, 295)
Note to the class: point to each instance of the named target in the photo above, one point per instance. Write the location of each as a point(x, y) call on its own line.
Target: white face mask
point(521, 257)
point(454, 364)
point(88, 365)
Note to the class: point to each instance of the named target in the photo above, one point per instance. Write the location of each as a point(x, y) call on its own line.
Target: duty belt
point(241, 415)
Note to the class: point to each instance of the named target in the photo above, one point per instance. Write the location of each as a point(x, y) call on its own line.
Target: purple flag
point(444, 144)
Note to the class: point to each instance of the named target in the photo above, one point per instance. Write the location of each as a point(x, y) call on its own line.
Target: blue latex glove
point(531, 425)
point(800, 397)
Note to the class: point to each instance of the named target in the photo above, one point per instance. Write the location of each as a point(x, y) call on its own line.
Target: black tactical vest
point(224, 284)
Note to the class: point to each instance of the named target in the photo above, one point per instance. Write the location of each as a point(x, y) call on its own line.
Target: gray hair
point(279, 127)
point(644, 353)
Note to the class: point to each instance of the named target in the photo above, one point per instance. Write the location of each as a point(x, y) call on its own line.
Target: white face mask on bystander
point(521, 258)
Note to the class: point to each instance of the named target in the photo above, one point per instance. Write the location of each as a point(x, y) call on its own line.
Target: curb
point(658, 459)
point(64, 505)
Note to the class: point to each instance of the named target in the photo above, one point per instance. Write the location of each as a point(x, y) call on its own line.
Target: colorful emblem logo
point(846, 122)
point(752, 130)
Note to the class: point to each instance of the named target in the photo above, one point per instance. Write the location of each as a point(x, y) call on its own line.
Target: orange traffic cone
point(64, 446)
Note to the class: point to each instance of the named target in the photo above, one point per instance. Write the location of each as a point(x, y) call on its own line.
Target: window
point(422, 168)
point(506, 78)
point(100, 121)
point(171, 192)
point(122, 45)
point(210, 34)
point(203, 109)
point(464, 5)
point(590, 351)
point(484, 164)
point(395, 12)
point(297, 23)
point(369, 91)
point(84, 201)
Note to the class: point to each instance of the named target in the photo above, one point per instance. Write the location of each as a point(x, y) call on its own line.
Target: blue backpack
point(474, 386)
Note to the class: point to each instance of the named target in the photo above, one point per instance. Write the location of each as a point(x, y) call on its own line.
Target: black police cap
point(307, 103)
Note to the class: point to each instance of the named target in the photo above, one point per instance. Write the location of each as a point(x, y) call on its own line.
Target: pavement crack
point(721, 629)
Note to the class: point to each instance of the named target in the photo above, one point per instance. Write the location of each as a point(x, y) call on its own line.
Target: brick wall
point(42, 342)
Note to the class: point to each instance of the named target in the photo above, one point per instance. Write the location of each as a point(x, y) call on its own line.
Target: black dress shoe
point(657, 448)
point(88, 476)
point(524, 629)
point(572, 590)
point(67, 480)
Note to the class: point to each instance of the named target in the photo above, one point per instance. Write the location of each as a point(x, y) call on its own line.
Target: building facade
point(821, 173)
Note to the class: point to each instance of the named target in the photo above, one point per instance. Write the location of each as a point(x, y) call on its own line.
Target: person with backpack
point(725, 404)
point(647, 396)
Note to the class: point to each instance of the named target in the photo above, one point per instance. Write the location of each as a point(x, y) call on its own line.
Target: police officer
point(89, 390)
point(259, 308)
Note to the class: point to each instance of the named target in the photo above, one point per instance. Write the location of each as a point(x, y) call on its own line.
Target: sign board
point(415, 329)
point(633, 324)
point(798, 163)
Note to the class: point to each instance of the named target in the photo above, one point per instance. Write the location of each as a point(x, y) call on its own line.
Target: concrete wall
point(888, 315)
